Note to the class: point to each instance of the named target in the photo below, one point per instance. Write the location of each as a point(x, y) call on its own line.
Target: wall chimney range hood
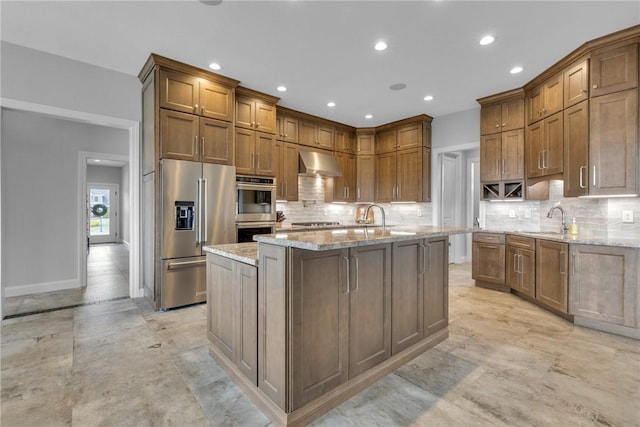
point(312, 163)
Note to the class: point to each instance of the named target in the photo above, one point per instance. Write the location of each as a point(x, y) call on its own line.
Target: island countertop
point(592, 237)
point(243, 252)
point(338, 238)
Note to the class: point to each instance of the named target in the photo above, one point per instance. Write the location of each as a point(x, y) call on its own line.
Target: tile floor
point(107, 279)
point(506, 363)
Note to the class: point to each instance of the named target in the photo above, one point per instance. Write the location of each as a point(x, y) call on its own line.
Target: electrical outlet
point(512, 214)
point(627, 216)
point(527, 213)
point(418, 212)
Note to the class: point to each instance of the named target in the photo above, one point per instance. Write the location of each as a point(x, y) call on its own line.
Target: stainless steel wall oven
point(255, 199)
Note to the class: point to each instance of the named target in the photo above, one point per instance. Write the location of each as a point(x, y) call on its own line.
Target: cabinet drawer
point(488, 237)
point(521, 242)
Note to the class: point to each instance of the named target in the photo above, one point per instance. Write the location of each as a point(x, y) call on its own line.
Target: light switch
point(627, 216)
point(512, 214)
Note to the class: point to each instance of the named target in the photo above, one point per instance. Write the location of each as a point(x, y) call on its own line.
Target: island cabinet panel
point(246, 302)
point(370, 307)
point(604, 284)
point(552, 263)
point(319, 343)
point(220, 313)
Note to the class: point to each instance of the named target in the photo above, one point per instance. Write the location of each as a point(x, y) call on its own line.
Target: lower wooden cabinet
point(520, 264)
point(232, 312)
point(604, 284)
point(488, 258)
point(552, 265)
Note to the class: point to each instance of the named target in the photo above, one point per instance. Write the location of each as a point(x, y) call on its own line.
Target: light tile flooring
point(506, 363)
point(107, 279)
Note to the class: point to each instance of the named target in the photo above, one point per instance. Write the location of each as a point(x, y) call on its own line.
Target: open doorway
point(103, 212)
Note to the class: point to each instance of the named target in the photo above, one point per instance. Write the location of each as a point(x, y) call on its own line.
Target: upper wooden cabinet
point(344, 187)
point(255, 111)
point(286, 170)
point(345, 141)
point(576, 150)
point(414, 135)
point(365, 178)
point(404, 176)
point(504, 116)
point(316, 134)
point(576, 83)
point(386, 141)
point(545, 99)
point(502, 156)
point(366, 139)
point(545, 147)
point(614, 68)
point(191, 94)
point(287, 128)
point(255, 153)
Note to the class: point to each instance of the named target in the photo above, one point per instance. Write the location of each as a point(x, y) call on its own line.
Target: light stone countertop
point(243, 252)
point(600, 238)
point(346, 237)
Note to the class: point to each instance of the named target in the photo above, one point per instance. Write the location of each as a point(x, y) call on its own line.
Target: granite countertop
point(345, 237)
point(601, 238)
point(243, 252)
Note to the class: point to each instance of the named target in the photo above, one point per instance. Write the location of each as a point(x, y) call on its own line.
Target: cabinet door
point(512, 115)
point(551, 273)
point(345, 142)
point(410, 136)
point(246, 304)
point(291, 172)
point(386, 141)
point(326, 137)
point(436, 285)
point(534, 147)
point(265, 162)
point(216, 101)
point(553, 95)
point(576, 83)
point(366, 143)
point(216, 138)
point(576, 149)
point(245, 112)
point(339, 186)
point(488, 262)
point(265, 117)
point(179, 136)
point(552, 156)
point(289, 128)
point(279, 166)
point(319, 346)
point(410, 175)
point(490, 119)
point(527, 259)
point(604, 284)
point(385, 177)
point(178, 91)
point(512, 269)
point(245, 151)
point(534, 105)
point(370, 307)
point(307, 133)
point(491, 157)
point(221, 322)
point(349, 173)
point(407, 295)
point(613, 145)
point(613, 70)
point(512, 155)
point(365, 178)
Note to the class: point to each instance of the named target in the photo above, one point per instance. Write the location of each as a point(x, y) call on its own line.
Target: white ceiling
point(323, 50)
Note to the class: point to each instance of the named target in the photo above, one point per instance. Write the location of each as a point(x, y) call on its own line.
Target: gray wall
point(40, 218)
point(456, 129)
point(120, 176)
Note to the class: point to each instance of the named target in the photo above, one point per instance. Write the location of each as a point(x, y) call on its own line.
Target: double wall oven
point(255, 206)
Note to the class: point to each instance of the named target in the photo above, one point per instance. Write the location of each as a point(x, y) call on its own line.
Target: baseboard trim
point(39, 288)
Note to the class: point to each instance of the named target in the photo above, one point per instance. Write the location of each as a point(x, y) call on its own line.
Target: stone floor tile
point(50, 409)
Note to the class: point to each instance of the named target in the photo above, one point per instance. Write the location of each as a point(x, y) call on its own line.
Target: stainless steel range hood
point(312, 163)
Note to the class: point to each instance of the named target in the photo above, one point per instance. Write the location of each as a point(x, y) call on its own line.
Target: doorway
point(103, 214)
point(449, 202)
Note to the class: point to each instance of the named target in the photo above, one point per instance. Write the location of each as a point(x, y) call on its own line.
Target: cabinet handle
point(346, 259)
point(285, 188)
point(358, 193)
point(398, 192)
point(258, 161)
point(595, 86)
point(490, 246)
point(202, 109)
point(545, 158)
point(539, 159)
point(497, 125)
point(584, 90)
point(253, 161)
point(195, 144)
point(253, 124)
point(515, 263)
point(428, 258)
point(504, 124)
point(195, 108)
point(562, 258)
point(258, 124)
point(582, 168)
point(573, 263)
point(503, 168)
point(357, 281)
point(520, 264)
point(594, 175)
point(202, 146)
point(422, 249)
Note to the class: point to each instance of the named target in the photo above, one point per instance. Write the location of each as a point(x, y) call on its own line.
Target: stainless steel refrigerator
point(198, 209)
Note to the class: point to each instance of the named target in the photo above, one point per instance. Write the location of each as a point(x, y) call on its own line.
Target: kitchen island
point(324, 314)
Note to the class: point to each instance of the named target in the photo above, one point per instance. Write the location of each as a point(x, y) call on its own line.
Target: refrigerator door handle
point(185, 264)
point(203, 205)
point(199, 213)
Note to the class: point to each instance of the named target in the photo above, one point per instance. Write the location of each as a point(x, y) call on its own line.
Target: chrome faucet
point(366, 213)
point(564, 228)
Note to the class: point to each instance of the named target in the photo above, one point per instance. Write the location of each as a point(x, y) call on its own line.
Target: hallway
point(107, 280)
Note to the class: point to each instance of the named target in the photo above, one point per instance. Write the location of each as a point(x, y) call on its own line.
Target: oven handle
point(256, 224)
point(256, 187)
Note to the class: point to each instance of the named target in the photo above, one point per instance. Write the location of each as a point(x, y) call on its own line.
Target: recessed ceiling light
point(397, 86)
point(486, 40)
point(380, 46)
point(428, 98)
point(282, 89)
point(331, 104)
point(215, 66)
point(368, 116)
point(516, 70)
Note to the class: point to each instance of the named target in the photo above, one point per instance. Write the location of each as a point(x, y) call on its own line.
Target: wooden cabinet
point(552, 266)
point(255, 113)
point(520, 264)
point(404, 175)
point(576, 83)
point(345, 141)
point(195, 95)
point(189, 137)
point(255, 152)
point(503, 116)
point(420, 290)
point(414, 135)
point(316, 134)
point(344, 187)
point(385, 168)
point(365, 178)
point(287, 128)
point(576, 150)
point(286, 171)
point(613, 144)
point(544, 147)
point(488, 259)
point(614, 68)
point(502, 156)
point(386, 141)
point(604, 284)
point(343, 296)
point(545, 99)
point(366, 141)
point(232, 312)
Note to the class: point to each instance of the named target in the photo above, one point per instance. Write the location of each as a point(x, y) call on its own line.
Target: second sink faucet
point(366, 213)
point(564, 222)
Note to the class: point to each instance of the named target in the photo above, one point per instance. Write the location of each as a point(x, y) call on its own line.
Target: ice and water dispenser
point(184, 215)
